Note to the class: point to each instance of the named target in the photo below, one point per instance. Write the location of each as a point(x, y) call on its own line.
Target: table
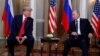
point(49, 41)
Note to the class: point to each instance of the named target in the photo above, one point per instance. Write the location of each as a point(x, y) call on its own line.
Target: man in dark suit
point(27, 37)
point(80, 31)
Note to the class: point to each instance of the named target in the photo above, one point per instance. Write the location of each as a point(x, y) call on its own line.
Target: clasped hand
point(22, 40)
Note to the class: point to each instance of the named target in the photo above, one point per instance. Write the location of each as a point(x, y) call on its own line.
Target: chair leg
point(99, 51)
point(73, 52)
point(7, 52)
point(56, 50)
point(41, 48)
point(32, 52)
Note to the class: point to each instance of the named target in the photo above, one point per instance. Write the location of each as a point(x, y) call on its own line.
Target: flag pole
point(6, 45)
point(95, 42)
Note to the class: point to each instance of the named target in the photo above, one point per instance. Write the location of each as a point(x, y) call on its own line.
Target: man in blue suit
point(80, 31)
point(27, 37)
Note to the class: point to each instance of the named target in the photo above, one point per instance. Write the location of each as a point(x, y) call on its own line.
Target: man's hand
point(23, 39)
point(74, 33)
point(17, 38)
point(90, 35)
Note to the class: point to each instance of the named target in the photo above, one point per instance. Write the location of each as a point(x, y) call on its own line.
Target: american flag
point(96, 17)
point(52, 16)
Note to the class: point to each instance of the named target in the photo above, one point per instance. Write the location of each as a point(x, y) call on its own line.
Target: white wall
point(83, 8)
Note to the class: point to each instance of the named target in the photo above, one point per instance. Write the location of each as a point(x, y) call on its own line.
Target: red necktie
point(21, 32)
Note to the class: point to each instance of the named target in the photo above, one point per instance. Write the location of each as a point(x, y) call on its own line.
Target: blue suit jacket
point(16, 25)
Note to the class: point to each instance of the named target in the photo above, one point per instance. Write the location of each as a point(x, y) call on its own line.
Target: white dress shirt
point(23, 18)
point(24, 36)
point(78, 29)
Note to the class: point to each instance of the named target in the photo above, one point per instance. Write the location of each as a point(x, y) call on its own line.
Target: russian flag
point(7, 17)
point(67, 14)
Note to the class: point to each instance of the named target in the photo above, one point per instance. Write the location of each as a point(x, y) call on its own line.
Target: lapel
point(27, 23)
point(73, 25)
point(81, 24)
point(20, 20)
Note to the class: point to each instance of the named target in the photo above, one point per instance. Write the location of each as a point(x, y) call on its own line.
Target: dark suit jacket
point(85, 28)
point(16, 25)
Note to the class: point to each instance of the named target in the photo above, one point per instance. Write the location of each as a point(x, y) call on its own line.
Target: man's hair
point(27, 9)
point(76, 11)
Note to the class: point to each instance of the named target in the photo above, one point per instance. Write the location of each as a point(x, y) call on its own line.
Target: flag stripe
point(95, 17)
point(94, 22)
point(11, 7)
point(67, 14)
point(51, 27)
point(52, 21)
point(7, 17)
point(52, 16)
